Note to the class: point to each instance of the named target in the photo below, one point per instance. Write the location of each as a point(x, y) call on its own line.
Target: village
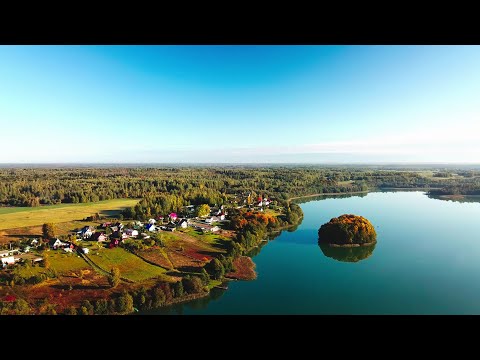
point(113, 233)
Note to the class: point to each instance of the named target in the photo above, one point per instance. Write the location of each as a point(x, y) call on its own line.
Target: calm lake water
point(426, 261)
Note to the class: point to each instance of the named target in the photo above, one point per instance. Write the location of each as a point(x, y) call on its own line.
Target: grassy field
point(65, 263)
point(130, 265)
point(15, 217)
point(209, 238)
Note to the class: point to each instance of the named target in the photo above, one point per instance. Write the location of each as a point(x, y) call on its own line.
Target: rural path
point(148, 261)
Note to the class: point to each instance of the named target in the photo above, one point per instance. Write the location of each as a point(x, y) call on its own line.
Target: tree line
point(210, 185)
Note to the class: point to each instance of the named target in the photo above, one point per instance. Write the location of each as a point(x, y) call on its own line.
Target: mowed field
point(15, 217)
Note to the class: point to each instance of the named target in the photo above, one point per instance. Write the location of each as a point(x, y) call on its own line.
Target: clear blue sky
point(316, 104)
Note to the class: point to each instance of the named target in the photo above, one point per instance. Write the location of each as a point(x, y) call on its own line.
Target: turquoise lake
point(426, 261)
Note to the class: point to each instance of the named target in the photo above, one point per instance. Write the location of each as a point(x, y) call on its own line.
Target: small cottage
point(149, 227)
point(183, 223)
point(131, 232)
point(99, 236)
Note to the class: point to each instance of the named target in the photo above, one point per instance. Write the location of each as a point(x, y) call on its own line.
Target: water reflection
point(179, 309)
point(347, 254)
point(457, 198)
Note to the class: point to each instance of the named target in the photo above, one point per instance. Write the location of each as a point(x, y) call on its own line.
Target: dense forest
point(178, 186)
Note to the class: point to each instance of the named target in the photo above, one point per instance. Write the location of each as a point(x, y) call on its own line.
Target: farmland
point(16, 217)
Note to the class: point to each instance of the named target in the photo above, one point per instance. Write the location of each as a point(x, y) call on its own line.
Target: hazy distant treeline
point(42, 186)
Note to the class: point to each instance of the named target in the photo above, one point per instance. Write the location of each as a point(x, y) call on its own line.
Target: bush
point(87, 305)
point(101, 307)
point(71, 311)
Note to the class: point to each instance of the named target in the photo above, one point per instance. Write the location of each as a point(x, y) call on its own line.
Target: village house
point(117, 226)
point(151, 221)
point(55, 244)
point(7, 260)
point(173, 216)
point(113, 243)
point(99, 236)
point(183, 223)
point(34, 243)
point(131, 232)
point(149, 227)
point(86, 232)
point(207, 228)
point(189, 208)
point(85, 250)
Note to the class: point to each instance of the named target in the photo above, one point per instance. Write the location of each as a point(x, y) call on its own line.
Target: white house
point(215, 229)
point(7, 260)
point(183, 223)
point(34, 242)
point(67, 250)
point(57, 243)
point(131, 232)
point(151, 221)
point(85, 250)
point(86, 232)
point(209, 220)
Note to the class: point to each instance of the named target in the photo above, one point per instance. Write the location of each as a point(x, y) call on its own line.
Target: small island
point(347, 231)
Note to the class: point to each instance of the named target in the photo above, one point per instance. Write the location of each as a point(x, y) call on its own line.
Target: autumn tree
point(215, 269)
point(71, 311)
point(203, 210)
point(114, 277)
point(88, 305)
point(178, 289)
point(46, 262)
point(125, 303)
point(48, 231)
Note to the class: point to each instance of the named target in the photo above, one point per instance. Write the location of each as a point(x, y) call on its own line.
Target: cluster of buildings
point(114, 233)
point(13, 256)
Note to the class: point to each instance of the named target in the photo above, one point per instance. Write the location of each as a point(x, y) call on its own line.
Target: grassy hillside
point(14, 217)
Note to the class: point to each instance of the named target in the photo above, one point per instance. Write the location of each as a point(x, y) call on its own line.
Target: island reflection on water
point(347, 254)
